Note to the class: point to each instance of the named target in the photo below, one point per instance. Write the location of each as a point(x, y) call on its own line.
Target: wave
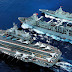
point(65, 65)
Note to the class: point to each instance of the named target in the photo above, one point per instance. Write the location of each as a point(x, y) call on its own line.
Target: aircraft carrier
point(20, 44)
point(59, 26)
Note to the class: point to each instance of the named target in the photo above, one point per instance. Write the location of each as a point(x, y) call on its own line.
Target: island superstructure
point(59, 27)
point(20, 44)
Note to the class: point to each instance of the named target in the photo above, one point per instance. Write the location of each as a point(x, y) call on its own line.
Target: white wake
point(65, 65)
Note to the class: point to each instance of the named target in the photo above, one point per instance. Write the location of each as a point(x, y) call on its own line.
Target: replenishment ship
point(20, 44)
point(59, 26)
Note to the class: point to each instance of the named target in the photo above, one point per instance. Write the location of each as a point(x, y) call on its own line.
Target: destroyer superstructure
point(58, 14)
point(19, 44)
point(59, 27)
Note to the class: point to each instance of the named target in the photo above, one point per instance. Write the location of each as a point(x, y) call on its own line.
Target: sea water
point(10, 10)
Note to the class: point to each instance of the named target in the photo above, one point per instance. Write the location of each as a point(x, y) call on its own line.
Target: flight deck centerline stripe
point(15, 51)
point(26, 50)
point(2, 48)
point(44, 51)
point(25, 46)
point(6, 49)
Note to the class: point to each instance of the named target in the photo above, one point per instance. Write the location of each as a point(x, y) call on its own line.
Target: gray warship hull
point(51, 31)
point(59, 27)
point(29, 52)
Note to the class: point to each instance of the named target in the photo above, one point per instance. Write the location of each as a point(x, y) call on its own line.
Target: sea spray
point(65, 65)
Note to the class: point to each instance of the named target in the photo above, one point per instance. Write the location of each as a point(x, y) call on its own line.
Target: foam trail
point(65, 65)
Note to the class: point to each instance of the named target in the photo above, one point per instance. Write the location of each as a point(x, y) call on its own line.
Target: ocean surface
point(10, 10)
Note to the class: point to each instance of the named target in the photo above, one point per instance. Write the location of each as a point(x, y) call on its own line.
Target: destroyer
point(20, 44)
point(59, 27)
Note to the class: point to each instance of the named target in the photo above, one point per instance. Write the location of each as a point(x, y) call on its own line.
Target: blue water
point(10, 10)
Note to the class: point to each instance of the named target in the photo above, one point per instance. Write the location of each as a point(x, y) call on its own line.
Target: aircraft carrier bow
point(20, 45)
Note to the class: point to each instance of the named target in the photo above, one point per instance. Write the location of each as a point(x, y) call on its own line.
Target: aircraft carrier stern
point(12, 43)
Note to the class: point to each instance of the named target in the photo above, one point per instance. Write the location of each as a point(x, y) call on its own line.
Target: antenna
point(14, 23)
